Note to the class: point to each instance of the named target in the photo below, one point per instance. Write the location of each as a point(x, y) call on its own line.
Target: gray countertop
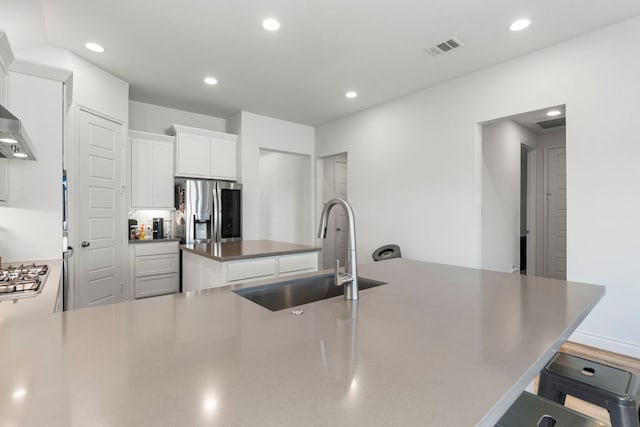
point(438, 346)
point(168, 239)
point(40, 305)
point(246, 249)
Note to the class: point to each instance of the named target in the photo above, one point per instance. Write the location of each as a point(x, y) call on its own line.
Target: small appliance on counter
point(133, 229)
point(158, 228)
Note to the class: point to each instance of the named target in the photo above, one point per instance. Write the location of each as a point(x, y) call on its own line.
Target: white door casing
point(531, 212)
point(100, 261)
point(556, 213)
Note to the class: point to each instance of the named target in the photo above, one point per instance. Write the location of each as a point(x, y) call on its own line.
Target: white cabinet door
point(192, 156)
point(141, 174)
point(297, 263)
point(243, 270)
point(156, 285)
point(151, 172)
point(222, 161)
point(162, 173)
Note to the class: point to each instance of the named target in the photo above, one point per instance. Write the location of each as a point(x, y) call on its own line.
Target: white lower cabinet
point(155, 268)
point(201, 272)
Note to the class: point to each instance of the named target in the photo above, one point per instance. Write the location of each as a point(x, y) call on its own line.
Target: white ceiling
point(531, 119)
point(164, 48)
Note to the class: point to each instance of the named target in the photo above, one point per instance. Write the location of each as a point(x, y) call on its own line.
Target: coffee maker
point(158, 228)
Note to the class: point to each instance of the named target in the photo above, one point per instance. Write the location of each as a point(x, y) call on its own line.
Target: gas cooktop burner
point(21, 282)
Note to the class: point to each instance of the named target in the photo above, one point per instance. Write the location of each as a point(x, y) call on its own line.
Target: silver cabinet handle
point(85, 244)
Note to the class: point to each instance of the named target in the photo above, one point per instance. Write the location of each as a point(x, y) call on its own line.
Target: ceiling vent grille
point(554, 123)
point(445, 46)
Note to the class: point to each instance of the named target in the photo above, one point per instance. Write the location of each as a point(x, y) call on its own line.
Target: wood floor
point(597, 355)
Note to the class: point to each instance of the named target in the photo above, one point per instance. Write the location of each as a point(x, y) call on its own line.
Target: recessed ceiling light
point(554, 113)
point(270, 24)
point(19, 154)
point(211, 81)
point(19, 393)
point(8, 140)
point(520, 24)
point(94, 47)
point(351, 94)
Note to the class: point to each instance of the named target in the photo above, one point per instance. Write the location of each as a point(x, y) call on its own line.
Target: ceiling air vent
point(554, 123)
point(444, 47)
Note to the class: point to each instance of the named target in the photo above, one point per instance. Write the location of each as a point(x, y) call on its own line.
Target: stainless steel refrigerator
point(67, 251)
point(208, 211)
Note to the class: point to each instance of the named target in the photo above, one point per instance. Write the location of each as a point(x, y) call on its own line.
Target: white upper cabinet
point(192, 155)
point(222, 159)
point(205, 154)
point(151, 170)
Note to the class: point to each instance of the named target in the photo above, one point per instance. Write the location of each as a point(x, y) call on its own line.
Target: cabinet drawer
point(300, 262)
point(242, 270)
point(158, 248)
point(156, 285)
point(156, 264)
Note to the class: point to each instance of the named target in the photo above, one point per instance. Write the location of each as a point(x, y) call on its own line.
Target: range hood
point(14, 140)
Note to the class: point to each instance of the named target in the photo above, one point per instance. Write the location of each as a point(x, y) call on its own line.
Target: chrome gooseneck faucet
point(350, 277)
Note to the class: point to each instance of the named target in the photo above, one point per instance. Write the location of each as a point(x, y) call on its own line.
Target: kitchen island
point(437, 346)
point(211, 265)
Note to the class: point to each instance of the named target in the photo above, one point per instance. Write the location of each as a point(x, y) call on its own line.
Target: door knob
point(84, 244)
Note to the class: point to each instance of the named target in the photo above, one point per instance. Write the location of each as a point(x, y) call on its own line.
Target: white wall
point(414, 166)
point(92, 86)
point(501, 145)
point(258, 132)
point(285, 199)
point(95, 89)
point(156, 119)
point(31, 225)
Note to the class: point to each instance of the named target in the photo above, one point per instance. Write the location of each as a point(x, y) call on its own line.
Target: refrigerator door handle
point(217, 213)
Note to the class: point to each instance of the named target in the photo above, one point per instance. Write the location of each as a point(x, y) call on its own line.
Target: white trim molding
point(606, 343)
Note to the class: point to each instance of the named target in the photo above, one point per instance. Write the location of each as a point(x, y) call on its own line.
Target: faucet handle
point(337, 272)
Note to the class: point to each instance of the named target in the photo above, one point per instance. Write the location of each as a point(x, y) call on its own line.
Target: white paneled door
point(556, 239)
point(100, 261)
point(334, 247)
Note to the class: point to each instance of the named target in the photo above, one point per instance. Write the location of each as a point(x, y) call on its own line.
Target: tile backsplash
point(145, 216)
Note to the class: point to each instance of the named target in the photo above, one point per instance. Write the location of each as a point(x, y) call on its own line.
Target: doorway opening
point(524, 193)
point(524, 203)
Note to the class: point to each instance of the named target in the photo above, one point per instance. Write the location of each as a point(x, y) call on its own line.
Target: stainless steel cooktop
point(23, 281)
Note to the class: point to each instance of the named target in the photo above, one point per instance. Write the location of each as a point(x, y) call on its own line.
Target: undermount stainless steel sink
point(291, 293)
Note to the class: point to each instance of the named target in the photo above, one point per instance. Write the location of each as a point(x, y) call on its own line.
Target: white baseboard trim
point(606, 343)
